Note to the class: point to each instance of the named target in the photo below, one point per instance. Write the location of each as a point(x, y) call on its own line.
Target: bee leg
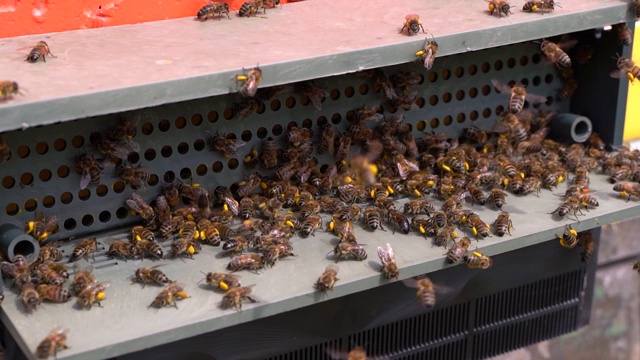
point(252, 299)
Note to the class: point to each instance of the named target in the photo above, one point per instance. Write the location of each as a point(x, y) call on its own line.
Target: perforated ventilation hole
point(30, 205)
point(201, 170)
point(304, 100)
point(122, 213)
point(169, 177)
point(322, 120)
point(60, 144)
point(277, 130)
point(185, 174)
point(548, 78)
point(524, 82)
point(133, 157)
point(246, 135)
point(461, 117)
point(433, 100)
point(104, 216)
point(307, 123)
point(499, 109)
point(153, 180)
point(524, 60)
point(536, 80)
point(473, 92)
point(196, 119)
point(472, 69)
point(275, 105)
point(446, 97)
point(212, 116)
point(102, 190)
point(459, 95)
point(473, 115)
point(8, 182)
point(290, 102)
point(149, 154)
point(459, 72)
point(323, 168)
point(486, 112)
point(199, 145)
point(486, 90)
point(498, 65)
point(448, 120)
point(434, 123)
point(166, 151)
point(63, 171)
point(26, 179)
point(48, 201)
point(118, 186)
point(147, 128)
point(511, 63)
point(45, 175)
point(87, 220)
point(485, 67)
point(549, 102)
point(181, 122)
point(77, 141)
point(23, 151)
point(336, 118)
point(291, 125)
point(334, 94)
point(232, 164)
point(164, 125)
point(421, 125)
point(95, 137)
point(420, 102)
point(349, 91)
point(262, 133)
point(217, 167)
point(84, 194)
point(12, 209)
point(363, 89)
point(66, 198)
point(70, 224)
point(536, 58)
point(183, 148)
point(446, 74)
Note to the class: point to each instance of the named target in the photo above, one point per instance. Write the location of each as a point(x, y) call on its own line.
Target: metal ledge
point(117, 69)
point(125, 324)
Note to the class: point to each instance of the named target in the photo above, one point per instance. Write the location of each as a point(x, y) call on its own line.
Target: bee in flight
point(251, 81)
point(212, 9)
point(8, 88)
point(626, 67)
point(413, 24)
point(555, 52)
point(39, 52)
point(54, 342)
point(427, 55)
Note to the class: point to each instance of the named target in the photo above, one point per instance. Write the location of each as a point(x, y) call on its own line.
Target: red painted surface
point(28, 17)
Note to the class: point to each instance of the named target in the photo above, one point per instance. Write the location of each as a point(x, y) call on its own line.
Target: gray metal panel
point(116, 69)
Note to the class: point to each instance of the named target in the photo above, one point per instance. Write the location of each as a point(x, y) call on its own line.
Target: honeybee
point(252, 262)
point(413, 24)
point(227, 146)
point(427, 55)
point(345, 250)
point(150, 248)
point(252, 160)
point(136, 177)
point(54, 293)
point(440, 219)
point(588, 200)
point(234, 297)
point(90, 169)
point(84, 249)
point(388, 259)
point(628, 190)
point(137, 204)
point(269, 156)
point(246, 107)
point(54, 342)
point(29, 297)
point(42, 226)
point(571, 204)
point(113, 150)
point(82, 278)
point(49, 252)
point(503, 224)
point(569, 237)
point(5, 151)
point(276, 251)
point(497, 195)
point(500, 6)
point(372, 218)
point(458, 250)
point(477, 260)
point(588, 242)
point(222, 280)
point(347, 213)
point(246, 187)
point(626, 67)
point(169, 295)
point(545, 6)
point(151, 275)
point(555, 54)
point(477, 226)
point(213, 8)
point(8, 88)
point(51, 273)
point(624, 34)
point(328, 278)
point(39, 52)
point(517, 95)
point(186, 247)
point(475, 134)
point(477, 195)
point(168, 227)
point(93, 293)
point(315, 93)
point(568, 89)
point(404, 102)
point(251, 79)
point(251, 8)
point(310, 225)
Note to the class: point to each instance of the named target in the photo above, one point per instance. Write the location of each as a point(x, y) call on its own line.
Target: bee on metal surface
point(571, 204)
point(186, 247)
point(137, 204)
point(60, 269)
point(315, 94)
point(517, 95)
point(624, 34)
point(49, 274)
point(222, 280)
point(545, 6)
point(172, 194)
point(53, 293)
point(246, 208)
point(427, 55)
point(372, 218)
point(458, 250)
point(125, 131)
point(233, 297)
point(276, 251)
point(310, 225)
point(246, 187)
point(54, 342)
point(39, 52)
point(312, 207)
point(251, 80)
point(112, 149)
point(212, 9)
point(503, 224)
point(42, 226)
point(246, 107)
point(93, 293)
point(8, 88)
point(477, 195)
point(29, 297)
point(327, 140)
point(169, 295)
point(49, 252)
point(327, 280)
point(347, 213)
point(84, 249)
point(497, 196)
point(224, 194)
point(82, 278)
point(162, 209)
point(168, 227)
point(399, 221)
point(596, 142)
point(236, 244)
point(227, 146)
point(477, 260)
point(251, 8)
point(339, 228)
point(297, 136)
point(151, 275)
point(388, 259)
point(413, 24)
point(475, 134)
point(588, 200)
point(405, 102)
point(477, 226)
point(627, 190)
point(136, 177)
point(588, 243)
point(269, 156)
point(150, 248)
point(499, 6)
point(5, 151)
point(139, 232)
point(346, 250)
point(555, 54)
point(620, 174)
point(90, 169)
point(252, 262)
point(569, 237)
point(344, 146)
point(440, 219)
point(208, 232)
point(252, 160)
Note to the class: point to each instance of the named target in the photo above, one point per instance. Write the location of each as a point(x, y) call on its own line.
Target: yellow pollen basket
point(138, 238)
point(430, 183)
point(573, 232)
point(241, 77)
point(202, 235)
point(191, 250)
point(100, 295)
point(263, 185)
point(31, 225)
point(373, 168)
point(289, 224)
point(372, 193)
point(505, 181)
point(475, 231)
point(446, 168)
point(348, 180)
point(331, 226)
point(43, 236)
point(422, 230)
point(521, 175)
point(560, 179)
point(417, 193)
point(624, 194)
point(225, 207)
point(182, 294)
point(534, 8)
point(454, 234)
point(491, 7)
point(223, 285)
point(190, 217)
point(477, 254)
point(466, 166)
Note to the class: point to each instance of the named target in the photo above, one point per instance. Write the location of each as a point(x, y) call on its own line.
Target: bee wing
point(39, 216)
point(77, 268)
point(567, 44)
point(240, 143)
point(120, 152)
point(502, 88)
point(411, 282)
point(384, 255)
point(392, 254)
point(536, 99)
point(332, 267)
point(133, 145)
point(618, 74)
